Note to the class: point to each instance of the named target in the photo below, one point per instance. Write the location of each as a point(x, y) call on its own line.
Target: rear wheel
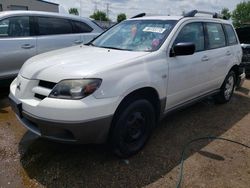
point(132, 127)
point(227, 89)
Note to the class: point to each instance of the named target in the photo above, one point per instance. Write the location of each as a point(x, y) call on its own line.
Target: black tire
point(132, 127)
point(227, 89)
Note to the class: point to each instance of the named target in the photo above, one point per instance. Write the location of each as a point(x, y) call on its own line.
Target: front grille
point(43, 90)
point(46, 84)
point(40, 96)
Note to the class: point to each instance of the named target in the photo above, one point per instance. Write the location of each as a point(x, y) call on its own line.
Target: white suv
point(119, 86)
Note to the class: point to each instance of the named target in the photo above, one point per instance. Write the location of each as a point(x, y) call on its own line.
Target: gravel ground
point(27, 161)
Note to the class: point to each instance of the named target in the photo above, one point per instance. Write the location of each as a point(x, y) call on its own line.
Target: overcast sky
point(133, 7)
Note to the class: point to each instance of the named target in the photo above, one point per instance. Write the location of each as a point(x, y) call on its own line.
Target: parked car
point(24, 34)
point(244, 37)
point(121, 84)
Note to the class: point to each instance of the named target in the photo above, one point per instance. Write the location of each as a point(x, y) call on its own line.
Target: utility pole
point(107, 10)
point(95, 9)
point(80, 8)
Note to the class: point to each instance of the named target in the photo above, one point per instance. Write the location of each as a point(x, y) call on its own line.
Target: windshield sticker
point(154, 29)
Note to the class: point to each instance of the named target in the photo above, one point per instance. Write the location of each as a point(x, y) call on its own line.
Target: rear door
point(17, 44)
point(54, 33)
point(220, 55)
point(233, 42)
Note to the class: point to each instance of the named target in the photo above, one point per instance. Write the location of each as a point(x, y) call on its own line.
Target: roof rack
point(139, 15)
point(194, 12)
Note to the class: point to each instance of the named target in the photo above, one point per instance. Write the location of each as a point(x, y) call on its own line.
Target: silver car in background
point(24, 34)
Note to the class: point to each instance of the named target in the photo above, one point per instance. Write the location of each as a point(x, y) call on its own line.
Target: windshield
point(136, 35)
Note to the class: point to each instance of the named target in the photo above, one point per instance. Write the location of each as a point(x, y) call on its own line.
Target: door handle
point(228, 53)
point(27, 46)
point(205, 58)
point(78, 41)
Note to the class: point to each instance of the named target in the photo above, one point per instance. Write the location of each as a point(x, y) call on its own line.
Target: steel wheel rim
point(135, 128)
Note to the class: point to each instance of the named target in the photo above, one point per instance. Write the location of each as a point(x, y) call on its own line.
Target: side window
point(1, 7)
point(231, 35)
point(81, 27)
point(216, 36)
point(53, 26)
point(15, 27)
point(194, 33)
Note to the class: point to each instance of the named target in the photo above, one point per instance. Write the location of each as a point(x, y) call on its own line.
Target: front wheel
point(227, 89)
point(132, 127)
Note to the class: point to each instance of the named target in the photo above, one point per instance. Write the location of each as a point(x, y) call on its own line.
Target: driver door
point(188, 74)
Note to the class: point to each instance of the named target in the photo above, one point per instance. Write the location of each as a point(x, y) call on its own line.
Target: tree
point(241, 15)
point(74, 11)
point(121, 17)
point(226, 13)
point(99, 15)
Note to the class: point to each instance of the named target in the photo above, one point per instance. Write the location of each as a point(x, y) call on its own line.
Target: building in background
point(38, 5)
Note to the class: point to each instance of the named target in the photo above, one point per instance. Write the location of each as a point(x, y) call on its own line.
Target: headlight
point(75, 89)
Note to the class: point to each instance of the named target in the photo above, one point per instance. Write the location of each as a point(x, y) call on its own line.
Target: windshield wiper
point(114, 48)
point(89, 44)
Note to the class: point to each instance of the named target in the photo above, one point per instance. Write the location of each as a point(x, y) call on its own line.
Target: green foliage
point(241, 15)
point(121, 17)
point(99, 15)
point(74, 11)
point(226, 13)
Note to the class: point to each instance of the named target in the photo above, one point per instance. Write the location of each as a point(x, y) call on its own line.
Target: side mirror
point(182, 49)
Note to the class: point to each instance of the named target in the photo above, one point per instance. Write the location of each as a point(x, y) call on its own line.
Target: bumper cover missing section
point(242, 76)
point(93, 131)
point(246, 66)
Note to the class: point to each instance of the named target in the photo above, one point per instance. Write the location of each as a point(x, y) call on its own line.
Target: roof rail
point(194, 12)
point(139, 15)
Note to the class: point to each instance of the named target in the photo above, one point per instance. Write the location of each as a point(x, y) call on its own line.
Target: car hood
point(75, 62)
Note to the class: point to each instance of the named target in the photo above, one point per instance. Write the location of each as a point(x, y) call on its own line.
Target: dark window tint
point(81, 27)
point(1, 8)
point(53, 26)
point(231, 35)
point(192, 32)
point(216, 36)
point(244, 34)
point(15, 27)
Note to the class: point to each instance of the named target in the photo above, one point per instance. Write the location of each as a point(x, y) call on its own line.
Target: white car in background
point(24, 34)
point(118, 86)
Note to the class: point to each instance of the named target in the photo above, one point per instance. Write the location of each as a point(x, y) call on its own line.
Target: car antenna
point(138, 15)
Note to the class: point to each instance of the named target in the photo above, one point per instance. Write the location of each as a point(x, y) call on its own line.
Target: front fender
point(120, 83)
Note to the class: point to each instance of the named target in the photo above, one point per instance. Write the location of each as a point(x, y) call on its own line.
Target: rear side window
point(81, 27)
point(53, 26)
point(15, 27)
point(216, 36)
point(194, 33)
point(230, 35)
